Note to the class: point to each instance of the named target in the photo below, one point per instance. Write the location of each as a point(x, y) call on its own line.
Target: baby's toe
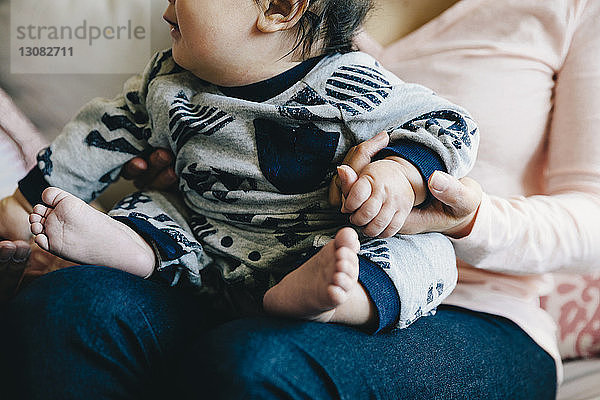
point(336, 294)
point(347, 262)
point(347, 237)
point(53, 195)
point(40, 209)
point(33, 218)
point(343, 281)
point(42, 241)
point(37, 228)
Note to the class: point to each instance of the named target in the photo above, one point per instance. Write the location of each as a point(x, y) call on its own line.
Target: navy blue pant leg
point(457, 354)
point(92, 332)
point(99, 333)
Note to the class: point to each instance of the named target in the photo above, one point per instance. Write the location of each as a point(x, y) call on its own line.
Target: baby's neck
point(243, 75)
point(268, 88)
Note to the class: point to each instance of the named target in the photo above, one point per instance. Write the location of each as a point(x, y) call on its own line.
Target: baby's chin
point(187, 64)
point(177, 56)
point(213, 76)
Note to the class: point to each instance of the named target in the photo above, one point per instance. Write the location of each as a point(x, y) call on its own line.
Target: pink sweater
point(529, 72)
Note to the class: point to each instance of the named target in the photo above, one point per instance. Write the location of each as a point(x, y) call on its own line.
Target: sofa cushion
point(51, 100)
point(575, 306)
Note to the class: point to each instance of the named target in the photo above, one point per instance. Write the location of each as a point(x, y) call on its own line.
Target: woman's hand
point(22, 262)
point(453, 209)
point(155, 173)
point(454, 206)
point(13, 260)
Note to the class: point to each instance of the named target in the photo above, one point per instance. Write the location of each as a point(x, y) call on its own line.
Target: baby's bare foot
point(322, 285)
point(72, 229)
point(13, 260)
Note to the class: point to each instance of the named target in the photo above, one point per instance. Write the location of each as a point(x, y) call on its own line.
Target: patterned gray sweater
point(253, 172)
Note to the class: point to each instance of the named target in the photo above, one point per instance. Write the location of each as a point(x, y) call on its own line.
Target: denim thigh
point(456, 354)
point(99, 333)
point(90, 332)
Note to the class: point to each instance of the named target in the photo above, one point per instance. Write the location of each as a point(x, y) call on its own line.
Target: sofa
point(34, 107)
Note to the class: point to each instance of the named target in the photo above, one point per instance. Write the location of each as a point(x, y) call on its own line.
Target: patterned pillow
point(575, 306)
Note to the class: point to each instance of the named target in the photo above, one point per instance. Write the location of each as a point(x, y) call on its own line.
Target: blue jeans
point(98, 333)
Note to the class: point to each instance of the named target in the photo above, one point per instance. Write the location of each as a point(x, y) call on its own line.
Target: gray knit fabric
point(254, 175)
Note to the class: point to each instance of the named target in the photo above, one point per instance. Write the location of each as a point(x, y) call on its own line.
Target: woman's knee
point(118, 330)
point(89, 303)
point(74, 295)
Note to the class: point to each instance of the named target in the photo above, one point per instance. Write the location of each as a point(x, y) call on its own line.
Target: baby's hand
point(382, 195)
point(14, 217)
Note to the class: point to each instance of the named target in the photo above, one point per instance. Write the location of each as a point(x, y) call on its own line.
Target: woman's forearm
point(537, 234)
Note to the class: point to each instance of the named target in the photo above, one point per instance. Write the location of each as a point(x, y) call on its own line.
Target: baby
point(259, 100)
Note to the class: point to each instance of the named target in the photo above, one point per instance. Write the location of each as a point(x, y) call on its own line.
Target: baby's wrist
point(414, 178)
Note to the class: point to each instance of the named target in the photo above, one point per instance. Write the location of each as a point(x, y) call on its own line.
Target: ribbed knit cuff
point(166, 246)
point(422, 157)
point(382, 291)
point(32, 186)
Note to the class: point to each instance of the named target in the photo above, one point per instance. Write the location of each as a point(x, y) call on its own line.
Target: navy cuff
point(422, 157)
point(166, 246)
point(382, 291)
point(32, 186)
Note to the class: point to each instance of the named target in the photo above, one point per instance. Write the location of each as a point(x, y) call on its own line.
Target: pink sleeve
point(560, 230)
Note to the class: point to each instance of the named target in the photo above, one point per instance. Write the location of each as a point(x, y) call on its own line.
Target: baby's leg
point(72, 229)
point(422, 269)
point(325, 288)
point(162, 220)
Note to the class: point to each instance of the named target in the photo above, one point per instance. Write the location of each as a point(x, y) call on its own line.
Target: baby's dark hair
point(331, 24)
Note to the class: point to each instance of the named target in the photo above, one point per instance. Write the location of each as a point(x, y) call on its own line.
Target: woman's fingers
point(134, 168)
point(14, 254)
point(361, 155)
point(22, 252)
point(13, 260)
point(158, 161)
point(453, 210)
point(154, 173)
point(340, 184)
point(347, 177)
point(165, 180)
point(461, 196)
point(7, 251)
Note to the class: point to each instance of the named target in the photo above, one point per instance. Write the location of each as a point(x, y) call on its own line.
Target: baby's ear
point(280, 15)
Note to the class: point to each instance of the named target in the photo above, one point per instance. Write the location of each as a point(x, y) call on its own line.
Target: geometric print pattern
point(357, 88)
point(377, 252)
point(188, 120)
point(458, 127)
